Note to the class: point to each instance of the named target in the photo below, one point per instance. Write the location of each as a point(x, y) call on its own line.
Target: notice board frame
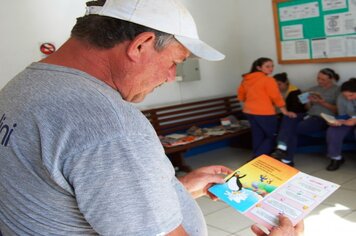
point(311, 33)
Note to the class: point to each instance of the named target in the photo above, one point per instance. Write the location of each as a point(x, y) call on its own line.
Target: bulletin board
point(315, 31)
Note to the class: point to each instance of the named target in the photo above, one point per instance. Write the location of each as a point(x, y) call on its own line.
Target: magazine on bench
point(265, 187)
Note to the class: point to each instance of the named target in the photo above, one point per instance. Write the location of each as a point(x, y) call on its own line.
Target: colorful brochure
point(265, 187)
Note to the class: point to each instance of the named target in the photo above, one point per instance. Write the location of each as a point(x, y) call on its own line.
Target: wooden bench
point(203, 113)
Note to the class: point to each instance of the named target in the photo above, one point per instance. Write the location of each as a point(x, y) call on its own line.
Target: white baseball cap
point(169, 16)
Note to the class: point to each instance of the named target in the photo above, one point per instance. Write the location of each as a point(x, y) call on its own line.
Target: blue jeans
point(288, 133)
point(307, 126)
point(335, 136)
point(264, 129)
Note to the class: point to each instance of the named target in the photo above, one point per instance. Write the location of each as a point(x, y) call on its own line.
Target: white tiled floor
point(335, 216)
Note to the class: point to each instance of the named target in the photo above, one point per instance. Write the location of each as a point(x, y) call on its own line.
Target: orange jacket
point(260, 94)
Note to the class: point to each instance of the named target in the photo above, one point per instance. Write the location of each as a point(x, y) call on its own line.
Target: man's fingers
point(212, 196)
point(214, 179)
point(257, 230)
point(224, 170)
point(221, 170)
point(216, 169)
point(299, 228)
point(284, 221)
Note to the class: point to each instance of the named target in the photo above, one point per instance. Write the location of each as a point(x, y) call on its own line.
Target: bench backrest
point(170, 119)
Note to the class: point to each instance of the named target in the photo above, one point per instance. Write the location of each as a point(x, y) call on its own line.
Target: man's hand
point(198, 181)
point(285, 228)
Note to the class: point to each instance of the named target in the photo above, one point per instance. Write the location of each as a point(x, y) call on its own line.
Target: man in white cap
point(78, 158)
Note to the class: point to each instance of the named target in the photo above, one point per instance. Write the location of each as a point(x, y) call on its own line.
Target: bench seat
point(203, 113)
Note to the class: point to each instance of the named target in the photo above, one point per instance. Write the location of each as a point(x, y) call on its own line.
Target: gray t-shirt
point(75, 159)
point(346, 107)
point(329, 95)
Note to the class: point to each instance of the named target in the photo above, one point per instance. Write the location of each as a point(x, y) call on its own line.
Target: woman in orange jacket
point(260, 95)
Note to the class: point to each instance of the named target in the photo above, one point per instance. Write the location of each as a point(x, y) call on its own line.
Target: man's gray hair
point(163, 39)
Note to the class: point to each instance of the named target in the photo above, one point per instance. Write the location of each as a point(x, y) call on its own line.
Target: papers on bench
point(176, 136)
point(169, 141)
point(195, 133)
point(214, 131)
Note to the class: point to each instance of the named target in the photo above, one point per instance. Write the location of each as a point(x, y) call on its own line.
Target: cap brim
point(200, 49)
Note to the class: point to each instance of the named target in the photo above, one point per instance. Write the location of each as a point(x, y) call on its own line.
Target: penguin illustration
point(234, 182)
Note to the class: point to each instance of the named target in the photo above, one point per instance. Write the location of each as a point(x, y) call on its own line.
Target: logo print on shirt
point(5, 131)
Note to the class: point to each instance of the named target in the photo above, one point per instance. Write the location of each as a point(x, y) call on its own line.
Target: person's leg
point(257, 133)
point(287, 138)
point(312, 124)
point(334, 137)
point(307, 126)
point(284, 130)
point(269, 125)
point(293, 137)
point(288, 128)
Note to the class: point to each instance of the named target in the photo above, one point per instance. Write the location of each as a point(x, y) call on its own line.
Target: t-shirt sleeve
point(341, 105)
point(124, 187)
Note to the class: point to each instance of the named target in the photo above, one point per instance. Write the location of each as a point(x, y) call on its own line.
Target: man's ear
point(141, 44)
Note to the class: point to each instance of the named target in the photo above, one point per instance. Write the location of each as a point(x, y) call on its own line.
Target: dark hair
point(330, 73)
point(282, 77)
point(258, 63)
point(105, 32)
point(95, 3)
point(349, 86)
